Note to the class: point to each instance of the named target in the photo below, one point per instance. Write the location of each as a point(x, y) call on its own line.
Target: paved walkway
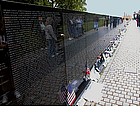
point(122, 76)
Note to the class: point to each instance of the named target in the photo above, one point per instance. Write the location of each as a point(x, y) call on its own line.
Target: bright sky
point(113, 7)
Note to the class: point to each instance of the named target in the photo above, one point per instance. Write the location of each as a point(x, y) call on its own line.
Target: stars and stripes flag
point(67, 95)
point(71, 96)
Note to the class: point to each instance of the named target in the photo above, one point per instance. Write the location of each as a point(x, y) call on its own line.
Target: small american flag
point(71, 96)
point(67, 95)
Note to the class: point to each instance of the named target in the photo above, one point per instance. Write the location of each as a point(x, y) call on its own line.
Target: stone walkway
point(122, 76)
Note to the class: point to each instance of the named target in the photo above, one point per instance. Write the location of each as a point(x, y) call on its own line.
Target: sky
point(113, 7)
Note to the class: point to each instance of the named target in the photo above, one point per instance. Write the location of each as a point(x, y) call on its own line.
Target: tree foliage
point(78, 5)
point(71, 4)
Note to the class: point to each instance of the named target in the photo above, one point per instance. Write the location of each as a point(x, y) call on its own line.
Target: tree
point(71, 4)
point(43, 2)
point(65, 4)
point(78, 5)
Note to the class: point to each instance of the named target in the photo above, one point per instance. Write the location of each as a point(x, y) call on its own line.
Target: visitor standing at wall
point(79, 26)
point(135, 16)
point(75, 27)
point(70, 26)
point(41, 26)
point(106, 21)
point(50, 37)
point(114, 22)
point(138, 19)
point(111, 22)
point(95, 21)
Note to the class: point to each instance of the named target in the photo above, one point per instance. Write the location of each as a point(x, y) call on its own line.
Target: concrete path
point(122, 76)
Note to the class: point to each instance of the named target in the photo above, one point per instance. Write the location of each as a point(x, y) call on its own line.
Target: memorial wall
point(46, 48)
